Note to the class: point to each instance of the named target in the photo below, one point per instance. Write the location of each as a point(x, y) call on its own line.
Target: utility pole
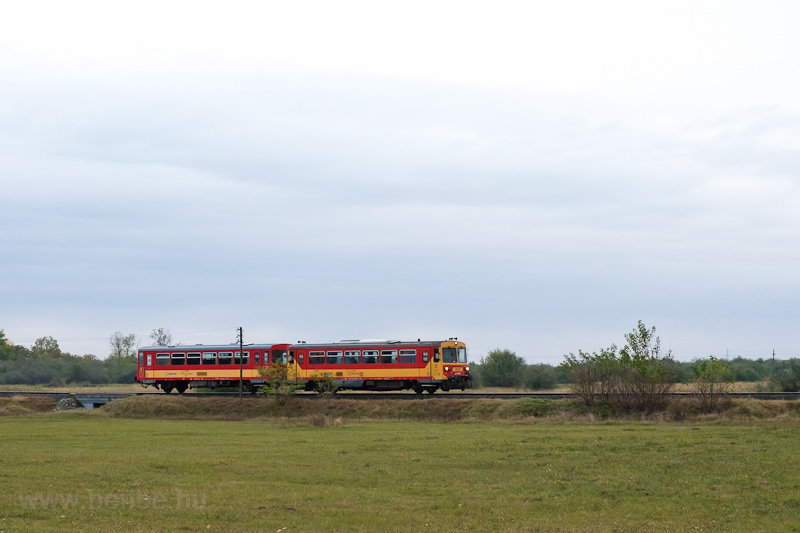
point(773, 355)
point(241, 360)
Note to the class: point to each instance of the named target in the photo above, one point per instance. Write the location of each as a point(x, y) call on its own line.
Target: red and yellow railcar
point(352, 364)
point(201, 365)
point(382, 365)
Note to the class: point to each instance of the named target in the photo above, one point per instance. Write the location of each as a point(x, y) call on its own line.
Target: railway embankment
point(323, 411)
point(439, 410)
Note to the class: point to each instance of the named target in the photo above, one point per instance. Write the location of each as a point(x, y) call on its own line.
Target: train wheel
point(181, 388)
point(432, 390)
point(419, 390)
point(167, 388)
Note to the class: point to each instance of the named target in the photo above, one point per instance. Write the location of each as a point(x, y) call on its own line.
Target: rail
point(95, 399)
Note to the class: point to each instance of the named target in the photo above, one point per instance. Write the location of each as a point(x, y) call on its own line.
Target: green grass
point(401, 476)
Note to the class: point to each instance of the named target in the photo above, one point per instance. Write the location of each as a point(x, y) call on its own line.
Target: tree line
point(607, 373)
point(44, 363)
point(625, 375)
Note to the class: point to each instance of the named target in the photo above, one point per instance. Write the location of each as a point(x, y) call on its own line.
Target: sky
point(532, 176)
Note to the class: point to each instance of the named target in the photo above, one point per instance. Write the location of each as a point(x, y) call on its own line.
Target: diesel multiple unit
point(351, 364)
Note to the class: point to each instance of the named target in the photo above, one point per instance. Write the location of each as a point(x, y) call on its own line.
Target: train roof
point(366, 343)
point(200, 347)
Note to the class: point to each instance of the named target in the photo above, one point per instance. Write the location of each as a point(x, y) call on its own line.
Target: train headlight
point(466, 368)
point(446, 369)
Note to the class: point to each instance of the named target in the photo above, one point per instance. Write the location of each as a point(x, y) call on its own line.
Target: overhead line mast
point(241, 359)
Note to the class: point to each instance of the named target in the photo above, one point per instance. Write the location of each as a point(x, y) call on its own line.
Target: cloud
point(318, 205)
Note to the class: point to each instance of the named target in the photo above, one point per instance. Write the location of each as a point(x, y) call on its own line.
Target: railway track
point(109, 396)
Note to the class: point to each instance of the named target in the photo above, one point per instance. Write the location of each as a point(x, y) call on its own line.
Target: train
point(359, 364)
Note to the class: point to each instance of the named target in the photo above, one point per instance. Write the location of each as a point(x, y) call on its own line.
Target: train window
point(408, 356)
point(162, 359)
point(436, 355)
point(449, 355)
point(258, 358)
point(209, 358)
point(462, 355)
point(178, 358)
point(291, 357)
point(301, 357)
point(370, 357)
point(352, 357)
point(246, 358)
point(425, 357)
point(225, 358)
point(316, 358)
point(279, 356)
point(334, 358)
point(141, 358)
point(388, 357)
point(193, 358)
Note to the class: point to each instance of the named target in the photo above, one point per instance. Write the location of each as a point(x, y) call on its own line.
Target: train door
point(148, 369)
point(300, 364)
point(436, 363)
point(425, 369)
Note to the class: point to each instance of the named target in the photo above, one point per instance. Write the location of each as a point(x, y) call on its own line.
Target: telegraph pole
point(241, 360)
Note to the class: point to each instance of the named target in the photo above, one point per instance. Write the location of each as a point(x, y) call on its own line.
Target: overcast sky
point(530, 176)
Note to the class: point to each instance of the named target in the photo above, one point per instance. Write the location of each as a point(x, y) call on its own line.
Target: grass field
point(266, 475)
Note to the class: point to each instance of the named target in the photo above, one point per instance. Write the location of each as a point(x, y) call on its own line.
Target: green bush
point(787, 376)
point(502, 368)
point(711, 379)
point(540, 377)
point(638, 378)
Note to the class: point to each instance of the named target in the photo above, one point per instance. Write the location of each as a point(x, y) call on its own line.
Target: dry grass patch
point(24, 405)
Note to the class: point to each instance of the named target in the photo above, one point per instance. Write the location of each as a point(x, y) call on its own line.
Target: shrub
point(327, 385)
point(502, 368)
point(277, 382)
point(639, 378)
point(712, 380)
point(787, 377)
point(57, 382)
point(539, 377)
point(592, 375)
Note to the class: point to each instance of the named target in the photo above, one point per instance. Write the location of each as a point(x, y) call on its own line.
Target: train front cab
point(449, 368)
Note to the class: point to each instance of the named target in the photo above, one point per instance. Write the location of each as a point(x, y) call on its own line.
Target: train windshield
point(462, 355)
point(449, 355)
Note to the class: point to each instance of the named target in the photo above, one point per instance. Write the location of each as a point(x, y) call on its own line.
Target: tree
point(712, 380)
point(647, 376)
point(45, 347)
point(161, 337)
point(502, 368)
point(122, 345)
point(277, 382)
point(6, 347)
point(787, 377)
